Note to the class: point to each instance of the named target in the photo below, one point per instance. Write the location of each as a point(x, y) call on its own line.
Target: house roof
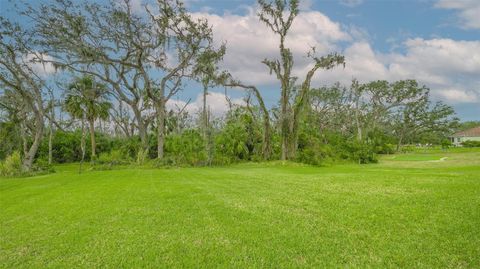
point(470, 132)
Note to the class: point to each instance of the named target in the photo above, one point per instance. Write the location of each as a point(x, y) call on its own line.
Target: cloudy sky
point(436, 42)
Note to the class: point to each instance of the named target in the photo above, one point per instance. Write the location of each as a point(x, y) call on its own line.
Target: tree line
point(119, 68)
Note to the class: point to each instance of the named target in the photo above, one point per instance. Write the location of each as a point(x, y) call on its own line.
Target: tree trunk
point(402, 136)
point(267, 145)
point(284, 124)
point(24, 139)
point(161, 115)
point(205, 122)
point(50, 135)
point(142, 129)
point(359, 128)
point(92, 138)
point(357, 119)
point(204, 111)
point(50, 144)
point(82, 146)
point(292, 138)
point(30, 156)
point(399, 144)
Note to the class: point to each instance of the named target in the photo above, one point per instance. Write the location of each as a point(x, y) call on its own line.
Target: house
point(472, 134)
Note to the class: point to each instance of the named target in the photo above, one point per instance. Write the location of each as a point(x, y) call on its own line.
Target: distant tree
point(421, 117)
point(87, 100)
point(462, 126)
point(330, 108)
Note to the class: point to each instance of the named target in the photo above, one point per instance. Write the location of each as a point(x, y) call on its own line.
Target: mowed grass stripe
point(418, 214)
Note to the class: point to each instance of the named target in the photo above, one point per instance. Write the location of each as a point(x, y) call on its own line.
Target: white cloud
point(448, 67)
point(362, 63)
point(216, 102)
point(43, 69)
point(459, 96)
point(468, 11)
point(249, 41)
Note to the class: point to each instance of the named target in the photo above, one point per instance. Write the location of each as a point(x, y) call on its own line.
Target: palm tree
point(88, 100)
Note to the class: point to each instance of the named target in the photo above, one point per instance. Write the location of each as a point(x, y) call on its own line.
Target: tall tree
point(108, 42)
point(279, 16)
point(17, 75)
point(191, 45)
point(87, 99)
point(420, 117)
point(206, 71)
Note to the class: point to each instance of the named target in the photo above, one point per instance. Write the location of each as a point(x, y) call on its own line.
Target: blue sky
point(436, 42)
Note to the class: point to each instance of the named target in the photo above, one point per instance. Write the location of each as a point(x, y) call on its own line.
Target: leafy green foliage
point(186, 148)
point(240, 139)
point(471, 144)
point(12, 165)
point(114, 157)
point(10, 137)
point(142, 157)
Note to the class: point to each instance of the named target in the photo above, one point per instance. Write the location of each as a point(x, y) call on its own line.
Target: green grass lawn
point(414, 214)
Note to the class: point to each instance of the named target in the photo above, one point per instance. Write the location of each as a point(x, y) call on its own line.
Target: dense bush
point(187, 148)
point(65, 147)
point(312, 148)
point(446, 143)
point(408, 148)
point(471, 144)
point(240, 139)
point(10, 139)
point(41, 166)
point(114, 157)
point(319, 148)
point(12, 165)
point(360, 152)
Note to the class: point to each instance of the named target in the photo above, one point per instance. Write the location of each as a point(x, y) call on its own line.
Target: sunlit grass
point(415, 214)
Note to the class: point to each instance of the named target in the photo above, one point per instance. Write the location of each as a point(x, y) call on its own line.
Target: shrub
point(471, 144)
point(312, 150)
point(114, 157)
point(240, 139)
point(360, 152)
point(408, 149)
point(385, 149)
point(12, 165)
point(446, 143)
point(41, 166)
point(142, 156)
point(187, 148)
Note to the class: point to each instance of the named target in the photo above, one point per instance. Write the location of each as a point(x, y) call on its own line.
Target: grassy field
point(419, 210)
